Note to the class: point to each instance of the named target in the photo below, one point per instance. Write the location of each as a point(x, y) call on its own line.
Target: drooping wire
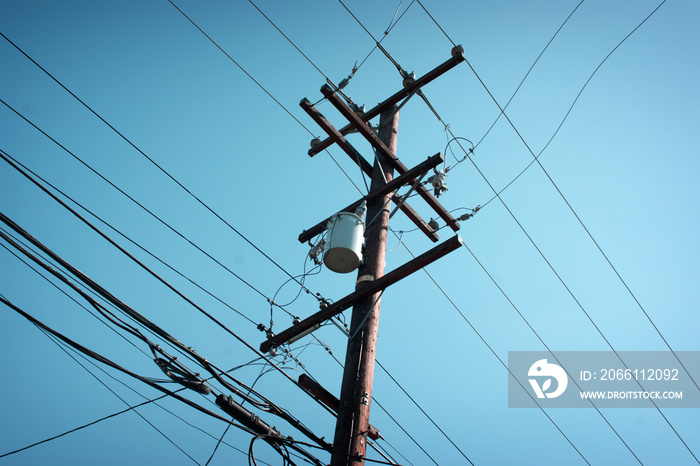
point(460, 160)
point(536, 160)
point(528, 71)
point(301, 279)
point(537, 248)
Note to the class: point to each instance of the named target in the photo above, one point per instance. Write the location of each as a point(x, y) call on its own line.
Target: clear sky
point(626, 160)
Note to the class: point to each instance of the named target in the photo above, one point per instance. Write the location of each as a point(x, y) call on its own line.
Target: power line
point(24, 171)
point(159, 167)
point(528, 71)
point(239, 66)
point(536, 159)
point(171, 228)
point(268, 406)
point(51, 337)
point(512, 304)
point(426, 414)
point(109, 416)
point(109, 362)
point(290, 41)
point(540, 252)
point(483, 340)
point(286, 37)
point(436, 24)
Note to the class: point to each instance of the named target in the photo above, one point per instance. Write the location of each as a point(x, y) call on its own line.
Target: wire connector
point(316, 252)
point(469, 215)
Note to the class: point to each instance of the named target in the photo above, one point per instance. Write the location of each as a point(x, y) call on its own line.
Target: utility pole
point(352, 426)
point(350, 442)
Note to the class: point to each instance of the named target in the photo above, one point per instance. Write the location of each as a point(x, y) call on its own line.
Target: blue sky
point(625, 159)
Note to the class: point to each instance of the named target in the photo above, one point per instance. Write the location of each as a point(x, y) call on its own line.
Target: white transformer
point(345, 236)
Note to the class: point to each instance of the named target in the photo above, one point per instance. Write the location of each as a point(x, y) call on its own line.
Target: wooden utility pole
point(352, 427)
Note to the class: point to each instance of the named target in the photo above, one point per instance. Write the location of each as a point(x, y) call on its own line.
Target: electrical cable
point(540, 252)
point(92, 313)
point(25, 171)
point(436, 24)
point(239, 66)
point(528, 71)
point(291, 42)
point(572, 378)
point(269, 407)
point(109, 362)
point(217, 445)
point(537, 248)
point(52, 338)
point(86, 425)
point(163, 222)
point(476, 332)
point(159, 167)
point(423, 411)
point(536, 160)
point(388, 30)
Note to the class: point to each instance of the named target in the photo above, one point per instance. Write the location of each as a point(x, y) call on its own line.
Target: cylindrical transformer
point(344, 250)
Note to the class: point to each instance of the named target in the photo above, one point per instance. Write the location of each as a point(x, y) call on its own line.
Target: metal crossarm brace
point(391, 186)
point(390, 158)
point(369, 289)
point(457, 58)
point(366, 167)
